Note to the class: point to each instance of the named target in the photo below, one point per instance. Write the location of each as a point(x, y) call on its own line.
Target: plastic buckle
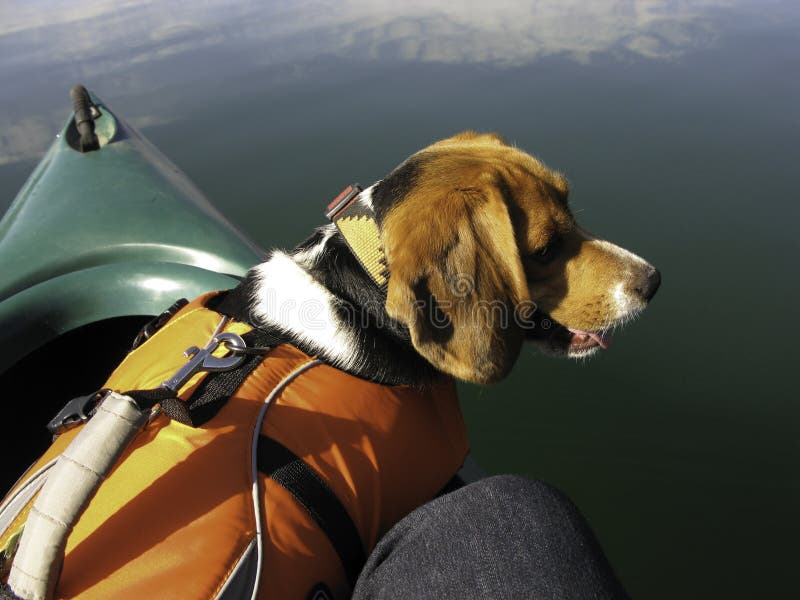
point(76, 411)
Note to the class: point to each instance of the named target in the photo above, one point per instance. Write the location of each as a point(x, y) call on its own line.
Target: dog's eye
point(547, 253)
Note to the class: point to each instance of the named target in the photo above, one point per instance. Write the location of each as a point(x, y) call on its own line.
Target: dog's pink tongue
point(603, 339)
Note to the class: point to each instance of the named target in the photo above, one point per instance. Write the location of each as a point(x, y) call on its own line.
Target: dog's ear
point(456, 279)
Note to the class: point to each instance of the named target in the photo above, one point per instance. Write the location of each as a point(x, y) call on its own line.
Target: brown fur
point(463, 242)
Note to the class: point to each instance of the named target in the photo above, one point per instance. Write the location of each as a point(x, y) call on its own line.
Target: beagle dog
point(446, 266)
point(462, 253)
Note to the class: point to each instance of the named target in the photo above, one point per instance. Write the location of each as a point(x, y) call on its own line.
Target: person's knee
point(521, 494)
point(515, 488)
point(464, 540)
point(531, 511)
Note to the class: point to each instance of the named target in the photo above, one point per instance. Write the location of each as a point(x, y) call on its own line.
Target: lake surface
point(678, 126)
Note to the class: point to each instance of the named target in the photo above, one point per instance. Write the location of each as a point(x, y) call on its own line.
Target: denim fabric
point(500, 537)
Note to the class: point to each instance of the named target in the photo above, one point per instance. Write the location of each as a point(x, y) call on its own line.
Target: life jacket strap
point(312, 493)
point(216, 387)
point(214, 391)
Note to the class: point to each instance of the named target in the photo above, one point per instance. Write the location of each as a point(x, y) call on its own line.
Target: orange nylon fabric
point(175, 515)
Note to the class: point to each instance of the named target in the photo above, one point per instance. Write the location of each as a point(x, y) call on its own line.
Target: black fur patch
point(395, 187)
point(385, 353)
point(235, 303)
point(439, 326)
point(388, 355)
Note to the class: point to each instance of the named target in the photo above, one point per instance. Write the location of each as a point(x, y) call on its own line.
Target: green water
point(678, 125)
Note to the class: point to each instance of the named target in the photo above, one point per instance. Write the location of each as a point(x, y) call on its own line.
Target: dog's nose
point(649, 284)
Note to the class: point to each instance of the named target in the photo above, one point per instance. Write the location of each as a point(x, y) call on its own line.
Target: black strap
point(215, 388)
point(214, 391)
point(147, 399)
point(313, 494)
point(234, 303)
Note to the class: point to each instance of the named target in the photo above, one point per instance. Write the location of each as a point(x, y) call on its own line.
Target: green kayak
point(105, 234)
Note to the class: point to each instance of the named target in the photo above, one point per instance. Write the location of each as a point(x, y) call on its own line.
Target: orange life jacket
point(177, 518)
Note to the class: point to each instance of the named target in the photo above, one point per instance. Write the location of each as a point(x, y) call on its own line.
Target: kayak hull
point(115, 232)
point(94, 245)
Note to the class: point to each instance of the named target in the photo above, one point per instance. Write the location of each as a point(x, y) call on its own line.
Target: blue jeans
point(500, 537)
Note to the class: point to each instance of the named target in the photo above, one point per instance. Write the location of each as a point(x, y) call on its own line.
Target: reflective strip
point(254, 464)
point(20, 498)
point(242, 579)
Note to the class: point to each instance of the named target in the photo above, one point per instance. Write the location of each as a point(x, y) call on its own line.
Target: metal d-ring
point(201, 359)
point(244, 349)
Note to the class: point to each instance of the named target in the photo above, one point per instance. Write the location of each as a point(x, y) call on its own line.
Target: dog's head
point(484, 253)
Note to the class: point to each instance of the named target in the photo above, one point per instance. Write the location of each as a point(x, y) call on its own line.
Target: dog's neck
point(324, 302)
